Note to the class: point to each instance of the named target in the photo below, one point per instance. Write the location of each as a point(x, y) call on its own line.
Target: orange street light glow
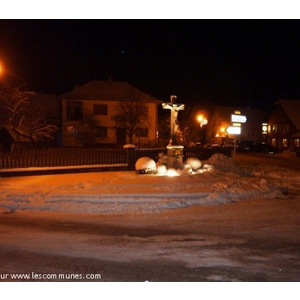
point(200, 118)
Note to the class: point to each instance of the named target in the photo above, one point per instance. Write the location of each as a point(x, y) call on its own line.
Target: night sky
point(226, 62)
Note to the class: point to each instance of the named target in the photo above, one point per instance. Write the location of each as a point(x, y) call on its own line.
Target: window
point(285, 143)
point(141, 132)
point(273, 142)
point(74, 110)
point(100, 109)
point(274, 128)
point(101, 131)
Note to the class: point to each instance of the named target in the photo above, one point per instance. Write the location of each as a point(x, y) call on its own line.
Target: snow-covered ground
point(65, 223)
point(220, 180)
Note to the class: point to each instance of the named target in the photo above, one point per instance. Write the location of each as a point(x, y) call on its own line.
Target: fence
point(72, 157)
point(56, 157)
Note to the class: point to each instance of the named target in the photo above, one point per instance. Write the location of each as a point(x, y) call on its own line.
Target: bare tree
point(25, 118)
point(132, 115)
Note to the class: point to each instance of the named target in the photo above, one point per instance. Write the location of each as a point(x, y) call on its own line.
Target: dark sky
point(227, 62)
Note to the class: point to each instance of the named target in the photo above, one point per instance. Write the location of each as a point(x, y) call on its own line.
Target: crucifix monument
point(174, 152)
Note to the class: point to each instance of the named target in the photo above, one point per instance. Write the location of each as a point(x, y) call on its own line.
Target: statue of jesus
point(175, 108)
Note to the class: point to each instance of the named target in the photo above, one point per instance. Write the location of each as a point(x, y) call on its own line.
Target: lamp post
point(202, 120)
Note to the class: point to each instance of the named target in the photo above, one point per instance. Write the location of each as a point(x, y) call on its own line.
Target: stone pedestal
point(175, 156)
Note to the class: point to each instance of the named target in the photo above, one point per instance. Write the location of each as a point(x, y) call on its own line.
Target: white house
point(87, 114)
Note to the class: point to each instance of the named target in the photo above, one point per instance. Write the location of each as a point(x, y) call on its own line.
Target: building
point(87, 113)
point(284, 124)
point(221, 119)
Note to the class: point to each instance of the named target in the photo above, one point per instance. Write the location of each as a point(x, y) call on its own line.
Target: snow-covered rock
point(145, 165)
point(161, 169)
point(194, 163)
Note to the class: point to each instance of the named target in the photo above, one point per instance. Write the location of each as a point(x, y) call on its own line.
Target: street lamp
point(202, 120)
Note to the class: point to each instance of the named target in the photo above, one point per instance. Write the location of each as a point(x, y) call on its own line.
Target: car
point(264, 148)
point(244, 146)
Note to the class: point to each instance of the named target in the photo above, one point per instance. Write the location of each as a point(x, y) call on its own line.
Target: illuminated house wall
point(87, 112)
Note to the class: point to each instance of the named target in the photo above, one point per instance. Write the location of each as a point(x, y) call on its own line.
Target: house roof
point(292, 109)
point(108, 90)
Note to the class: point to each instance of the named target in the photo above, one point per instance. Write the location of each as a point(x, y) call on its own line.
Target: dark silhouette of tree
point(131, 115)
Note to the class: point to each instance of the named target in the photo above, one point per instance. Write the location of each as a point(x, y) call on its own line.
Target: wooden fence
point(67, 157)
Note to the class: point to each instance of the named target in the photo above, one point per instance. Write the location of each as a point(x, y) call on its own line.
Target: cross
point(175, 108)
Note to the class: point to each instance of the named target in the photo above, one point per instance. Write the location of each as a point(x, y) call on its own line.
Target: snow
point(145, 164)
point(220, 180)
point(196, 240)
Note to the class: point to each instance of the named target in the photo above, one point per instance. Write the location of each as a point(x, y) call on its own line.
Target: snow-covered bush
point(145, 165)
point(194, 163)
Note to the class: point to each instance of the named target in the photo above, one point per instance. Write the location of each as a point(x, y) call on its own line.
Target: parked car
point(244, 146)
point(264, 148)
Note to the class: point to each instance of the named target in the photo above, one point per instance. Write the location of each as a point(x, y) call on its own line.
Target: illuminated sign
point(238, 118)
point(264, 128)
point(233, 130)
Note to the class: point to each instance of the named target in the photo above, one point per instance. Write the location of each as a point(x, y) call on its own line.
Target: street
point(275, 160)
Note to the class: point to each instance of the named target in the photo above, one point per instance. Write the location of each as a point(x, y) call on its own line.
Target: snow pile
point(194, 163)
point(220, 180)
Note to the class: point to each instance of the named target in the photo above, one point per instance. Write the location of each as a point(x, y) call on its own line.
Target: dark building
point(284, 124)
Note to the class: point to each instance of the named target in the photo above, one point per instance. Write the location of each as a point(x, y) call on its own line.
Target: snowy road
point(286, 161)
point(253, 240)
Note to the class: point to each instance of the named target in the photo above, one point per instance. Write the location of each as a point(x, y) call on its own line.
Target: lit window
point(273, 142)
point(274, 128)
point(284, 143)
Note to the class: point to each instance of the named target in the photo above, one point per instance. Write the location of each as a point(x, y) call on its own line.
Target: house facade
point(220, 120)
point(283, 126)
point(87, 113)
